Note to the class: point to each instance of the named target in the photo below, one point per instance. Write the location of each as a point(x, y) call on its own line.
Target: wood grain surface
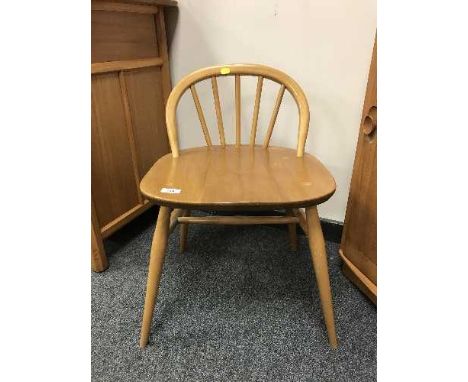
point(220, 177)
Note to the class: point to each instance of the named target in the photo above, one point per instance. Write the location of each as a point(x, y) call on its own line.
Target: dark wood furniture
point(130, 83)
point(359, 241)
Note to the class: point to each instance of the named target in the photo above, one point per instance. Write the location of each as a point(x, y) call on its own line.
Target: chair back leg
point(292, 231)
point(183, 233)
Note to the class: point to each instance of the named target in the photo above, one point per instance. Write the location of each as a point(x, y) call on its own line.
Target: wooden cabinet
point(130, 83)
point(359, 241)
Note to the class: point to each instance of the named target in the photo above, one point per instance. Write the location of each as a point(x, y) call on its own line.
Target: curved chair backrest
point(237, 70)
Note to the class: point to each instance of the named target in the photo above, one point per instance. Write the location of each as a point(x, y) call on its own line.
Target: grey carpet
point(239, 305)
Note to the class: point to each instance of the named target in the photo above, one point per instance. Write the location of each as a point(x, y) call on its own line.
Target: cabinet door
point(359, 241)
point(130, 83)
point(113, 183)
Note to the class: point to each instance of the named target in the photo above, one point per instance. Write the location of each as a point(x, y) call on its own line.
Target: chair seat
point(246, 177)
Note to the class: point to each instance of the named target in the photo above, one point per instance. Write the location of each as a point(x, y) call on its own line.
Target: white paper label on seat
point(171, 190)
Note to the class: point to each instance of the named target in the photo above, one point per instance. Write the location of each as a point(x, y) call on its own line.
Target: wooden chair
point(238, 177)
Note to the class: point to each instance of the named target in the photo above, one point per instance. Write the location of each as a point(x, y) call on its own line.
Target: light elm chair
point(238, 177)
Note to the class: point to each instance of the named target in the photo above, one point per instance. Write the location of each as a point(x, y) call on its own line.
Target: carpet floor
point(239, 305)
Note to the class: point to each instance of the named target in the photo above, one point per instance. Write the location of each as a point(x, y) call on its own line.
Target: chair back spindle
point(201, 116)
point(237, 70)
point(279, 98)
point(238, 111)
point(258, 94)
point(219, 115)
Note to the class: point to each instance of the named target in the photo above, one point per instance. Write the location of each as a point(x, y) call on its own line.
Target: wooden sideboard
point(359, 241)
point(130, 83)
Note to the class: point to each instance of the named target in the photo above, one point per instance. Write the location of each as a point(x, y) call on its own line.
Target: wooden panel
point(369, 289)
point(122, 36)
point(123, 7)
point(116, 66)
point(359, 241)
point(172, 3)
point(119, 222)
point(113, 185)
point(99, 261)
point(146, 102)
point(162, 43)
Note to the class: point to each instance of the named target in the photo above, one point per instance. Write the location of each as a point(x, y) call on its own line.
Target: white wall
point(326, 45)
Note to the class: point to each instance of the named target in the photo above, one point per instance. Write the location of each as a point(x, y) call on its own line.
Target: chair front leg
point(158, 253)
point(319, 261)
